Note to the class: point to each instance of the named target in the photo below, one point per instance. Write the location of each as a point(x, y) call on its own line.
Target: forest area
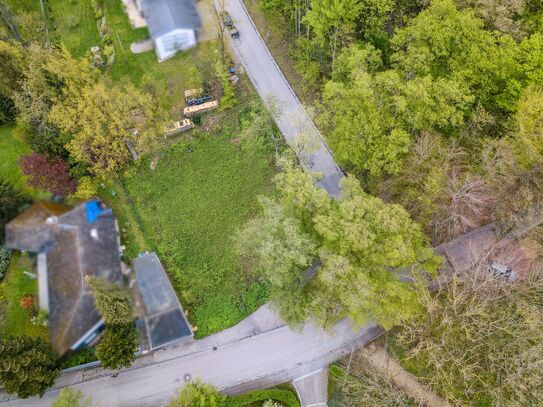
point(436, 106)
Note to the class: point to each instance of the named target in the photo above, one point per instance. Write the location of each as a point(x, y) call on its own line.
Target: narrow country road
point(293, 121)
point(274, 356)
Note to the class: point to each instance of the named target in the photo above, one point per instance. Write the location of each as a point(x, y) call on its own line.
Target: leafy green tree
point(72, 398)
point(333, 21)
point(330, 259)
point(198, 394)
point(112, 300)
point(527, 140)
point(28, 366)
point(98, 119)
point(11, 200)
point(118, 345)
point(364, 134)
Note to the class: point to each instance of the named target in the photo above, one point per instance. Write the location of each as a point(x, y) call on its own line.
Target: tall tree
point(98, 120)
point(28, 366)
point(337, 258)
point(118, 345)
point(113, 301)
point(333, 21)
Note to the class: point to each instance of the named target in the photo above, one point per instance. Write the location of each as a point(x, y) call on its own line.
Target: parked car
point(178, 127)
point(199, 100)
point(197, 109)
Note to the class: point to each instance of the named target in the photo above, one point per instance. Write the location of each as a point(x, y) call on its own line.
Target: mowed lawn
point(192, 204)
point(15, 320)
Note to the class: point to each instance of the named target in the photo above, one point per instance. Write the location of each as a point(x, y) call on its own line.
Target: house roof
point(75, 246)
point(164, 319)
point(164, 16)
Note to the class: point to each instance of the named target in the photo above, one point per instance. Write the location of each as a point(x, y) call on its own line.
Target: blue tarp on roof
point(93, 210)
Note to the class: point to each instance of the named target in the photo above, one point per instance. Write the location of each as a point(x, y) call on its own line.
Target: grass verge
point(14, 319)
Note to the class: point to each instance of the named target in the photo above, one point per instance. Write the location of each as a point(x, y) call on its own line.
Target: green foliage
point(5, 255)
point(228, 98)
point(70, 397)
point(287, 398)
point(15, 320)
point(28, 366)
point(79, 357)
point(198, 394)
point(189, 206)
point(11, 200)
point(86, 188)
point(349, 245)
point(112, 300)
point(118, 346)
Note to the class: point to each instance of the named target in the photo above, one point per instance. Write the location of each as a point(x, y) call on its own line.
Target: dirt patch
point(381, 360)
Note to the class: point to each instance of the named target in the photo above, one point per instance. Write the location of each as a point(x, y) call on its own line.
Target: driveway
point(292, 119)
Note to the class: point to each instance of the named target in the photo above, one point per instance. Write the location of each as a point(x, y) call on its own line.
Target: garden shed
point(163, 320)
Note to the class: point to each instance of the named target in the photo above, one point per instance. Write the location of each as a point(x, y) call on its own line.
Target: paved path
point(275, 356)
point(269, 81)
point(312, 388)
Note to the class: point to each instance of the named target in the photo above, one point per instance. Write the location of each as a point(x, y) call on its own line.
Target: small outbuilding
point(173, 25)
point(162, 320)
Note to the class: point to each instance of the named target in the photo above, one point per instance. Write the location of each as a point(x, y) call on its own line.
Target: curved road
point(235, 360)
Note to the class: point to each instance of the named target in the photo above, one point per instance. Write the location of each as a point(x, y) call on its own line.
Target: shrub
point(287, 397)
point(50, 174)
point(5, 255)
point(118, 346)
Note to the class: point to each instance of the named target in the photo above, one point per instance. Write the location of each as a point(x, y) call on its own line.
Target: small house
point(70, 244)
point(173, 25)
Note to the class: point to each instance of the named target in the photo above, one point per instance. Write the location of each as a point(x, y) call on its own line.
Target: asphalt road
point(276, 356)
point(293, 121)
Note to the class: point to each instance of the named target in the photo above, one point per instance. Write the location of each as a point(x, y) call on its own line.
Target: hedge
point(5, 254)
point(287, 397)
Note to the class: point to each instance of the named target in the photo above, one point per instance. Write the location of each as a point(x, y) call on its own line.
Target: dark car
point(199, 101)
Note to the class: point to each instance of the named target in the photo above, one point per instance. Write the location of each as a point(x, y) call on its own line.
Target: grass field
point(11, 149)
point(201, 192)
point(16, 320)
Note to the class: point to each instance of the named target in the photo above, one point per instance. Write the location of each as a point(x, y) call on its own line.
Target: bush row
point(287, 397)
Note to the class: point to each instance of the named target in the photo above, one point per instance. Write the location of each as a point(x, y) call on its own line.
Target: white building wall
point(43, 282)
point(177, 40)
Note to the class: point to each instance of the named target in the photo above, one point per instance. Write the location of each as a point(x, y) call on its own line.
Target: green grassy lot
point(11, 149)
point(200, 193)
point(74, 25)
point(15, 320)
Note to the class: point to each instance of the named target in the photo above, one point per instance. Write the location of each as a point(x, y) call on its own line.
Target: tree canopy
point(329, 259)
point(28, 366)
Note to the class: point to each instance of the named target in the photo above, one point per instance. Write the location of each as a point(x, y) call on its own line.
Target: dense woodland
point(436, 106)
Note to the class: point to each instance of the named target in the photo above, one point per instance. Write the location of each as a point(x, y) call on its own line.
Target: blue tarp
point(93, 210)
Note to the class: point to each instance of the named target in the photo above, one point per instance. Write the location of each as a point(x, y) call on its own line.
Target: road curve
point(292, 119)
point(272, 357)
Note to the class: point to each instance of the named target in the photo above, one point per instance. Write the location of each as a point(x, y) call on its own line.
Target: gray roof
point(164, 319)
point(164, 16)
point(74, 248)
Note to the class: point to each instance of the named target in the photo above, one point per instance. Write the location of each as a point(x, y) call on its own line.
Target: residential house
point(70, 243)
point(173, 25)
